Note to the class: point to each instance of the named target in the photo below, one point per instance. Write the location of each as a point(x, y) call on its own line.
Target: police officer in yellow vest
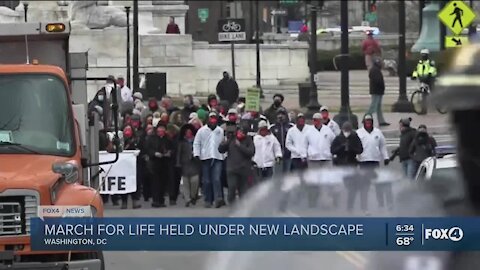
point(425, 70)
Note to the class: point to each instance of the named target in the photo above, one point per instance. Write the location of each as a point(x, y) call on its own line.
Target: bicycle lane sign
point(231, 30)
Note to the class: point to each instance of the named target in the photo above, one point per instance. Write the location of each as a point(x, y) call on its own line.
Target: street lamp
point(313, 105)
point(127, 10)
point(25, 9)
point(136, 76)
point(345, 113)
point(402, 105)
point(257, 44)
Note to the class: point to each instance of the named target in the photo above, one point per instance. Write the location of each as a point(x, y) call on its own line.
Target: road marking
point(354, 258)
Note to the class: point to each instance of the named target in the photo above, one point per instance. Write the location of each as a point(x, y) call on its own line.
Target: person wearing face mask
point(329, 122)
point(280, 130)
point(346, 146)
point(296, 143)
point(271, 112)
point(212, 103)
point(205, 148)
point(374, 152)
point(422, 147)
point(267, 151)
point(99, 104)
point(152, 108)
point(131, 143)
point(227, 89)
point(240, 151)
point(190, 167)
point(159, 151)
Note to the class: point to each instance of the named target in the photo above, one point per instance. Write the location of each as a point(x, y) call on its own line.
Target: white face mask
point(346, 134)
point(100, 98)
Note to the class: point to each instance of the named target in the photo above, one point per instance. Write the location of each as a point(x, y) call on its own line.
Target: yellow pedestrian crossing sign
point(456, 41)
point(457, 16)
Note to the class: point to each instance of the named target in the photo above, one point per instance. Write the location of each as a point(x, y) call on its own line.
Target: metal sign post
point(231, 30)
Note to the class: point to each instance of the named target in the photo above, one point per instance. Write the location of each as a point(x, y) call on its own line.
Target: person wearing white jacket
point(267, 151)
point(296, 143)
point(329, 122)
point(319, 142)
point(205, 148)
point(375, 151)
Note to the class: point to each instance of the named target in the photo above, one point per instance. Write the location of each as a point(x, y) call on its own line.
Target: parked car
point(444, 150)
point(432, 167)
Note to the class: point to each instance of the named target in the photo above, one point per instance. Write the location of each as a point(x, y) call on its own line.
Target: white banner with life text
point(121, 176)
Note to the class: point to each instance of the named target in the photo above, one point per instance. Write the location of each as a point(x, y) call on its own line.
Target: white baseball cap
point(262, 124)
point(317, 116)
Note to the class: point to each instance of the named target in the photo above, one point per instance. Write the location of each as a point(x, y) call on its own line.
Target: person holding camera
point(240, 151)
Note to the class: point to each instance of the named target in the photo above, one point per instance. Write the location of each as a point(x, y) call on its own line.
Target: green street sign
point(371, 17)
point(203, 14)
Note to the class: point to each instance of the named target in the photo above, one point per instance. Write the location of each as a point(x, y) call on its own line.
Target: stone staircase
point(329, 86)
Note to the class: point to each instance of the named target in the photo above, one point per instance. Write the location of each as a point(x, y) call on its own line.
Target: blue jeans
point(409, 168)
point(211, 183)
point(376, 107)
point(287, 165)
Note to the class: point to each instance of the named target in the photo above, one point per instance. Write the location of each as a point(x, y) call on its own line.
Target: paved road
point(140, 260)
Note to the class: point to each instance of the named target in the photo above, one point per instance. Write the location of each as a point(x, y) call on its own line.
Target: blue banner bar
point(256, 234)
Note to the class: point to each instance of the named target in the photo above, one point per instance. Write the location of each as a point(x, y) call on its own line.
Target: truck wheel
point(90, 256)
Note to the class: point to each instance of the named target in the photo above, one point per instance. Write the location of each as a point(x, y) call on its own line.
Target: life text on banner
point(120, 177)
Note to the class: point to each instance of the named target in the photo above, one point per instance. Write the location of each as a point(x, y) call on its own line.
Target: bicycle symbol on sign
point(231, 26)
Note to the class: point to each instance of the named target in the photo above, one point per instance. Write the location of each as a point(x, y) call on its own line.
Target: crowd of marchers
point(200, 150)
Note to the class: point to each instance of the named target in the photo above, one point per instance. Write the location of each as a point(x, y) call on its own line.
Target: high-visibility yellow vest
point(424, 68)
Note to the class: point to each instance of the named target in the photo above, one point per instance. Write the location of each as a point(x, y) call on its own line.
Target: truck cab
point(44, 143)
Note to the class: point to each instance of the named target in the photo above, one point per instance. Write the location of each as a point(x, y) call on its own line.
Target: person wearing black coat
point(190, 167)
point(422, 147)
point(159, 148)
point(240, 149)
point(377, 90)
point(227, 89)
point(346, 146)
point(407, 137)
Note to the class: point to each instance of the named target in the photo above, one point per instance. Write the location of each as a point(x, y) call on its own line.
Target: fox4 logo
point(454, 234)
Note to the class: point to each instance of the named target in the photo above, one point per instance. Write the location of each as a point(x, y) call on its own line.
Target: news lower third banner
point(256, 234)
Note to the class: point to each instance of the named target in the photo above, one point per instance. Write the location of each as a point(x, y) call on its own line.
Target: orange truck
point(48, 148)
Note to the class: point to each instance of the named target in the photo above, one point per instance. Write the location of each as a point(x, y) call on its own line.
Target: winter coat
point(190, 166)
point(296, 141)
point(377, 84)
point(280, 130)
point(239, 157)
point(319, 143)
point(422, 147)
point(206, 143)
point(406, 139)
point(345, 150)
point(271, 113)
point(227, 89)
point(374, 146)
point(267, 149)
